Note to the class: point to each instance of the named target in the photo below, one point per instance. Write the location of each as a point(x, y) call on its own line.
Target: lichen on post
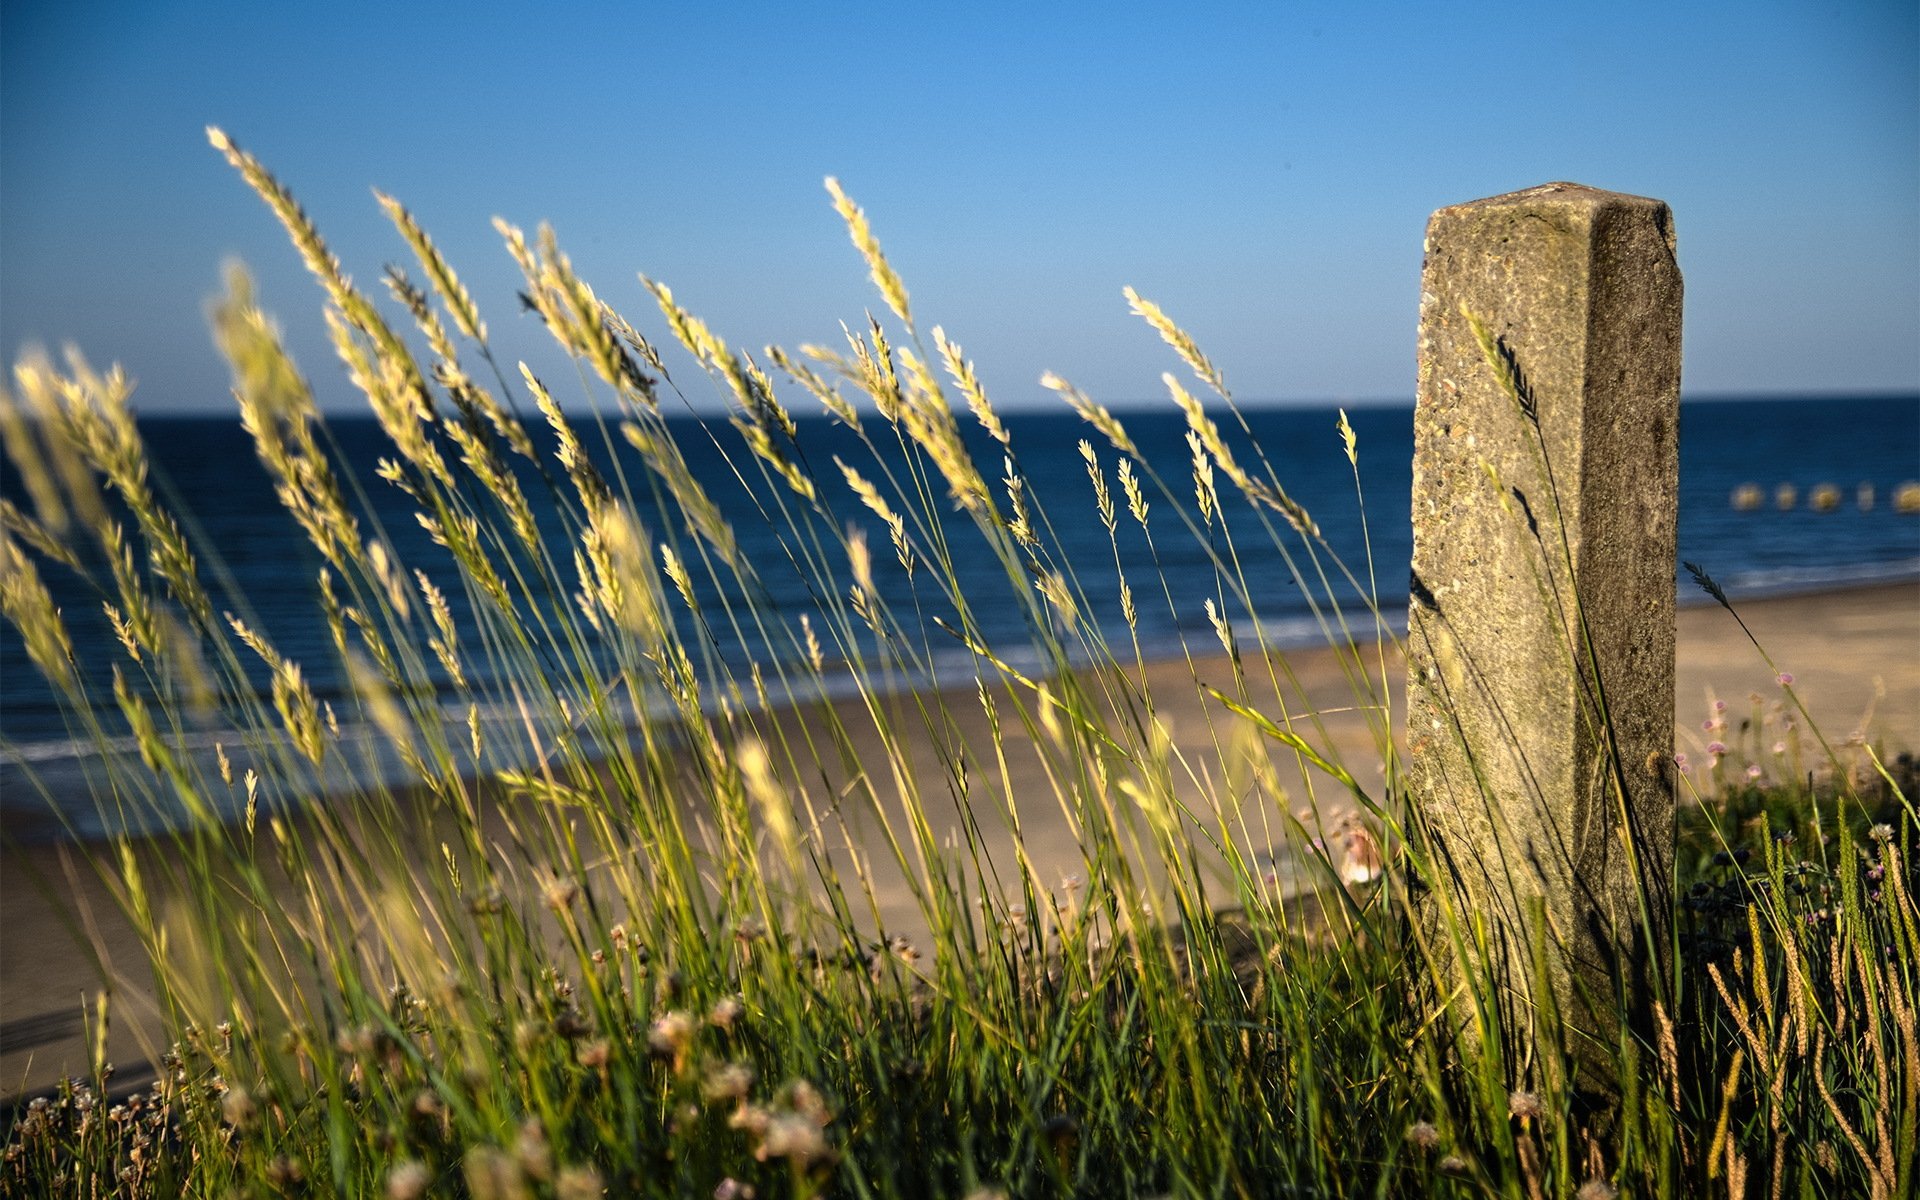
point(1541, 625)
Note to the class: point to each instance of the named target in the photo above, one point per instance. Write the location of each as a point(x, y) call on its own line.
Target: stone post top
point(1575, 203)
point(1561, 192)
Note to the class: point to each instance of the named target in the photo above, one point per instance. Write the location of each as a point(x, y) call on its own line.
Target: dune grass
point(712, 931)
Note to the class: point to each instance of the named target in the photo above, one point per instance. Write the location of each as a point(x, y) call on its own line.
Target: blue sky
point(1263, 171)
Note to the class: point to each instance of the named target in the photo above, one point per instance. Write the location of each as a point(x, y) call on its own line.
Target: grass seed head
point(884, 278)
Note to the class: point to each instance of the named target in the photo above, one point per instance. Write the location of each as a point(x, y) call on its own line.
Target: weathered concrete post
point(1541, 632)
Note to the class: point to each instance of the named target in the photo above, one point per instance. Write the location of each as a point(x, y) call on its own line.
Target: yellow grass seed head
point(347, 303)
point(634, 340)
point(1222, 629)
point(46, 432)
point(446, 642)
point(1506, 369)
point(1136, 498)
point(929, 421)
point(21, 439)
point(702, 515)
point(771, 798)
point(28, 604)
point(1093, 414)
point(1046, 708)
point(816, 657)
point(1054, 586)
point(1021, 523)
point(460, 305)
point(1176, 337)
point(623, 587)
point(306, 236)
point(1205, 494)
point(254, 641)
point(874, 369)
point(749, 385)
point(829, 396)
point(891, 289)
point(154, 751)
point(92, 412)
point(760, 440)
point(136, 608)
point(860, 560)
point(394, 393)
point(575, 314)
point(278, 412)
point(1102, 494)
point(135, 628)
point(1207, 432)
point(964, 377)
point(679, 321)
point(536, 293)
point(182, 651)
point(299, 713)
point(767, 405)
point(377, 699)
point(868, 493)
point(391, 578)
point(676, 570)
point(414, 300)
point(43, 540)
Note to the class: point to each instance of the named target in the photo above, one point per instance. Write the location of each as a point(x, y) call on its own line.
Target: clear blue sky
point(1262, 170)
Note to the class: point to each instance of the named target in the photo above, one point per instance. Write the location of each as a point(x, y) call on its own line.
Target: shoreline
point(65, 769)
point(1854, 654)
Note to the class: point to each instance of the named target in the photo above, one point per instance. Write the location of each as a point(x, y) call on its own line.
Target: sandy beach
point(1854, 657)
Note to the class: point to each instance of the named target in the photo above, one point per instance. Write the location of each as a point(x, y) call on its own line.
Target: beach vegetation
point(875, 906)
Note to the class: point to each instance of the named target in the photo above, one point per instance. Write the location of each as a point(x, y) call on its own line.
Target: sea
point(1777, 495)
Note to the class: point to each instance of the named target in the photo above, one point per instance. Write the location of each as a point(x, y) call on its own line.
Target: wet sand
point(1854, 657)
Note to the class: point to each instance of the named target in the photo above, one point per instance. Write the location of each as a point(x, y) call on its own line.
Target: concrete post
point(1541, 631)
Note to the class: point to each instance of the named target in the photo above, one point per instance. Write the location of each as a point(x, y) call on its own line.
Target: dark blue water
point(250, 549)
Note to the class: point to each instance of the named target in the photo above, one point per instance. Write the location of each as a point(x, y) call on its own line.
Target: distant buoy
point(1824, 498)
point(1785, 496)
point(1863, 496)
point(1748, 497)
point(1906, 497)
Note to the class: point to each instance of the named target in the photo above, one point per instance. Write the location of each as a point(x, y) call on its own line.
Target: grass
point(715, 933)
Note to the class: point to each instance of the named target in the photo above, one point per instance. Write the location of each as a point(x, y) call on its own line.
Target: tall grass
point(644, 916)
